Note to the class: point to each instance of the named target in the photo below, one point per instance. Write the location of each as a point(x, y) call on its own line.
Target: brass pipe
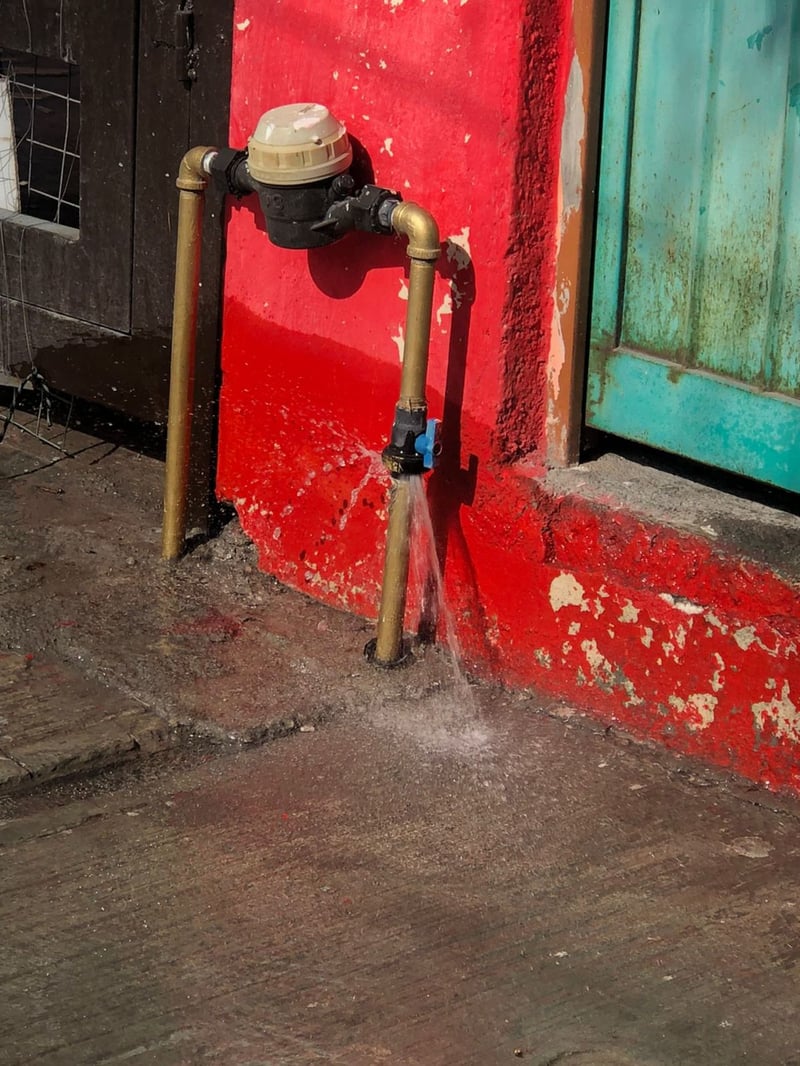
point(191, 181)
point(414, 222)
point(389, 637)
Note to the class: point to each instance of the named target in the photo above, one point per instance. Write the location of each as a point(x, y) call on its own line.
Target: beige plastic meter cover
point(297, 144)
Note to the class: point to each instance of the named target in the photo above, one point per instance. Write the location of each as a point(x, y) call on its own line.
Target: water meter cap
point(298, 144)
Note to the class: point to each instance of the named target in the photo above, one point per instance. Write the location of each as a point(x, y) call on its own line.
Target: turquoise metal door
point(696, 308)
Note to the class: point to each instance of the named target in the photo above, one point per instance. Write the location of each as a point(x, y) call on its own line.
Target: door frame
point(578, 179)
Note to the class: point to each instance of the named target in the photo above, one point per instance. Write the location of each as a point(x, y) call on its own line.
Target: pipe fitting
point(370, 210)
point(401, 456)
point(194, 169)
point(228, 168)
point(419, 226)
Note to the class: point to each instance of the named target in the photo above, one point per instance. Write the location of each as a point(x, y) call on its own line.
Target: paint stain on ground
point(213, 625)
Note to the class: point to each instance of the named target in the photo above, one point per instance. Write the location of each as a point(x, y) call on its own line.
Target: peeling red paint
point(652, 628)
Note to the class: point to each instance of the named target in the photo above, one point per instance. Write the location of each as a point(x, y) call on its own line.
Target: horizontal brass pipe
point(191, 182)
point(418, 225)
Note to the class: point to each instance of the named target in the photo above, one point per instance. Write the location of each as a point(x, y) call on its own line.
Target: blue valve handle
point(428, 445)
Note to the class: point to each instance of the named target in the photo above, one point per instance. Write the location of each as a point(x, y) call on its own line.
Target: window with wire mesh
point(40, 174)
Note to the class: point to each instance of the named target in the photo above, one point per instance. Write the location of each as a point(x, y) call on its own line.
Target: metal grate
point(44, 97)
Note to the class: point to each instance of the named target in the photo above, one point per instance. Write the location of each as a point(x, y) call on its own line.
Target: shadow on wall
point(453, 486)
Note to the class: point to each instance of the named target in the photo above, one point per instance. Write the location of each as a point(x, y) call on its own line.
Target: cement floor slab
point(54, 722)
point(424, 873)
point(422, 885)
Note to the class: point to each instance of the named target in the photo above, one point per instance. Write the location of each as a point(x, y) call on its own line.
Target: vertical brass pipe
point(415, 223)
point(191, 182)
point(389, 640)
point(421, 274)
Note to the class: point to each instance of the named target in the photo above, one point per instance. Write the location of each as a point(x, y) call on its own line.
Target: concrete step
point(55, 722)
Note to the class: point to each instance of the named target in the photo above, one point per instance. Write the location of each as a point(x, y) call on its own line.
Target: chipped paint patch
point(745, 637)
point(445, 308)
point(572, 134)
point(608, 676)
point(647, 636)
point(403, 294)
point(717, 682)
point(458, 248)
point(242, 26)
point(680, 603)
point(567, 591)
point(599, 665)
point(781, 713)
point(700, 709)
point(400, 340)
point(756, 40)
point(574, 629)
point(556, 428)
point(629, 613)
point(387, 146)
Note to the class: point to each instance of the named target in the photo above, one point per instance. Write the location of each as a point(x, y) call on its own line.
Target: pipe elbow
point(193, 169)
point(419, 226)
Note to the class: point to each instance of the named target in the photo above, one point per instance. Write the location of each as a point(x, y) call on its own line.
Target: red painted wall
point(644, 625)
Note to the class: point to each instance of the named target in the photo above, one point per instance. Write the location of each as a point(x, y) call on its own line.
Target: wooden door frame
point(579, 171)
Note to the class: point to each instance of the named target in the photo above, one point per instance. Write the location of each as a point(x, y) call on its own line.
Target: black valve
point(401, 457)
point(228, 169)
point(369, 210)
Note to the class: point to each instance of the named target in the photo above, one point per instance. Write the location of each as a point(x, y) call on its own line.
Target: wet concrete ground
point(438, 886)
point(413, 871)
point(210, 645)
